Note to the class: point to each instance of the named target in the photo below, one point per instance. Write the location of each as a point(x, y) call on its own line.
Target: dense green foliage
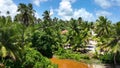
point(28, 42)
point(31, 59)
point(68, 54)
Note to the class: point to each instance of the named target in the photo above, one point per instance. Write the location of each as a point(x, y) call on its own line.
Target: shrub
point(106, 58)
point(34, 59)
point(68, 54)
point(31, 59)
point(43, 43)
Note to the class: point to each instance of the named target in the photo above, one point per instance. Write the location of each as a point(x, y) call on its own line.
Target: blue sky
point(89, 10)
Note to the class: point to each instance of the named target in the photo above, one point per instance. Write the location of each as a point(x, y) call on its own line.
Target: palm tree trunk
point(115, 60)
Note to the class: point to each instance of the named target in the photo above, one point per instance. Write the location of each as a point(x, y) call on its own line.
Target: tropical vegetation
point(27, 41)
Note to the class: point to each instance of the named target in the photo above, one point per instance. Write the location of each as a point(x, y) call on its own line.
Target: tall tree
point(114, 44)
point(46, 15)
point(8, 18)
point(103, 26)
point(80, 20)
point(26, 15)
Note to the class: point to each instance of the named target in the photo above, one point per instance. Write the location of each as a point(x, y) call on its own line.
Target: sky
point(89, 10)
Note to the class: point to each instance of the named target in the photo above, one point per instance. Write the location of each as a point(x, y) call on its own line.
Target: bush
point(107, 58)
point(60, 51)
point(34, 59)
point(68, 54)
point(43, 43)
point(31, 59)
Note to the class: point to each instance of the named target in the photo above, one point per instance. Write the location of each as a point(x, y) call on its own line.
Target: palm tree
point(46, 15)
point(26, 15)
point(8, 12)
point(78, 35)
point(114, 44)
point(103, 26)
point(8, 18)
point(31, 14)
point(0, 12)
point(39, 20)
point(9, 41)
point(55, 19)
point(80, 20)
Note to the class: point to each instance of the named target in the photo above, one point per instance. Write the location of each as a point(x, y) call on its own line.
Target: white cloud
point(84, 14)
point(66, 12)
point(103, 13)
point(104, 3)
point(107, 3)
point(8, 5)
point(51, 12)
point(37, 2)
point(72, 1)
point(37, 15)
